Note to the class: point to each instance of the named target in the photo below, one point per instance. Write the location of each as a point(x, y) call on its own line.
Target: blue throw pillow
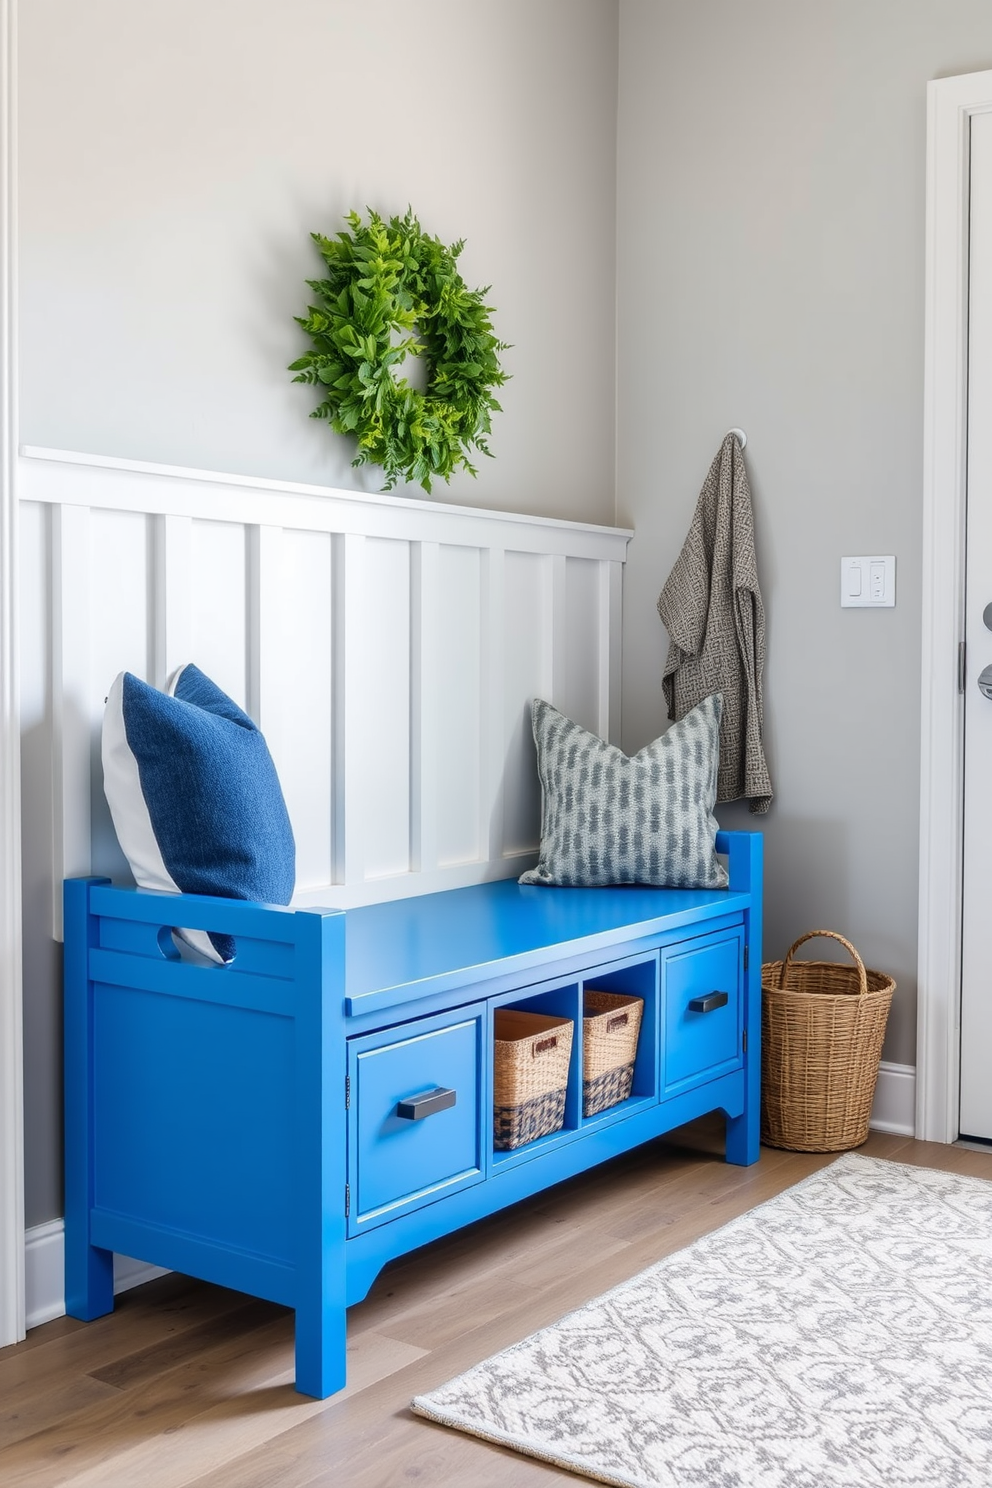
point(195, 797)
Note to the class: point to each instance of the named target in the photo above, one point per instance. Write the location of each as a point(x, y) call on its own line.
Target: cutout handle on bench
point(416, 1107)
point(709, 1002)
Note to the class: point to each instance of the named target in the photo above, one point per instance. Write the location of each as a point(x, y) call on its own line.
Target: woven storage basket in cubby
point(822, 1026)
point(530, 1076)
point(611, 1023)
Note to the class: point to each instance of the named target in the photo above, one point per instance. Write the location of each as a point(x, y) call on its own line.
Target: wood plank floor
point(191, 1384)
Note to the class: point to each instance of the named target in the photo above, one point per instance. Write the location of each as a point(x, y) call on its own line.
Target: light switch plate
point(868, 583)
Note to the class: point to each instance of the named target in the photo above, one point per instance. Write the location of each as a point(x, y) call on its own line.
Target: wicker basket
point(611, 1023)
point(822, 1026)
point(530, 1076)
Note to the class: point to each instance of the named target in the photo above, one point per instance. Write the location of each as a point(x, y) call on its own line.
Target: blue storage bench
point(287, 1124)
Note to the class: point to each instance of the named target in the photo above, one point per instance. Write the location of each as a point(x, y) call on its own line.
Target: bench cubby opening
point(634, 978)
point(561, 1001)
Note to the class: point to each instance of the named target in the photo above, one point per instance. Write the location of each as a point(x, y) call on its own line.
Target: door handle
point(709, 1002)
point(416, 1107)
point(985, 682)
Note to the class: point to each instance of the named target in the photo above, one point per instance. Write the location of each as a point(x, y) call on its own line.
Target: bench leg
point(320, 1350)
point(89, 1275)
point(742, 1138)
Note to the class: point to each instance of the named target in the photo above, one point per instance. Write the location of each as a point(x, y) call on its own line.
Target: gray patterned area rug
point(839, 1336)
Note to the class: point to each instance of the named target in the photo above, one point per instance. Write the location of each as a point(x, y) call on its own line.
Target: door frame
point(11, 1057)
point(951, 104)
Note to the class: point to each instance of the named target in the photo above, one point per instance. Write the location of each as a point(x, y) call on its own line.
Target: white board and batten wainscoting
point(388, 649)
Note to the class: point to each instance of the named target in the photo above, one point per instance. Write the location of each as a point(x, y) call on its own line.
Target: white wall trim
point(894, 1107)
point(951, 103)
point(11, 1094)
point(893, 1111)
point(44, 1269)
point(174, 490)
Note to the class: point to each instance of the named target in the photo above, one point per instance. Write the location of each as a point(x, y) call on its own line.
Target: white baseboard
point(894, 1108)
point(44, 1273)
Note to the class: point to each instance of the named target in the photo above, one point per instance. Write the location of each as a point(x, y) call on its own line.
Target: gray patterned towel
point(711, 607)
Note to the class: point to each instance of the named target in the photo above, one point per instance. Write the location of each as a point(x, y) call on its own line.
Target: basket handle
point(828, 935)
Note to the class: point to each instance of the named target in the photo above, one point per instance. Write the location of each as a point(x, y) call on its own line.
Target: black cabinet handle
point(709, 1002)
point(416, 1107)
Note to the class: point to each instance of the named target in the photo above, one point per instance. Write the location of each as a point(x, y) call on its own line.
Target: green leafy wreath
point(391, 291)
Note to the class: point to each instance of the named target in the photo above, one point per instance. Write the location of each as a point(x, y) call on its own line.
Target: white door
point(976, 960)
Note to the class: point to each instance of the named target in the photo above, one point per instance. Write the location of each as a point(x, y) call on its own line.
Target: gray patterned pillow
point(610, 819)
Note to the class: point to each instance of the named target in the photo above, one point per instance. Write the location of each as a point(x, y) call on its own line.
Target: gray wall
point(174, 156)
point(770, 269)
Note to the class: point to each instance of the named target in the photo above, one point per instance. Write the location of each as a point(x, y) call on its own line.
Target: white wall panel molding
point(266, 638)
point(11, 1078)
point(173, 617)
point(491, 663)
point(388, 649)
point(425, 718)
point(350, 672)
point(608, 724)
point(559, 619)
point(72, 723)
point(951, 104)
point(63, 477)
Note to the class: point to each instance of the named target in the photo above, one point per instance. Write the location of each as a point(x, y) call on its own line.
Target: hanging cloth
point(711, 607)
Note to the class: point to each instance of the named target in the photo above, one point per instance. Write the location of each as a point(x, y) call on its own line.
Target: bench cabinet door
point(702, 1029)
point(415, 1114)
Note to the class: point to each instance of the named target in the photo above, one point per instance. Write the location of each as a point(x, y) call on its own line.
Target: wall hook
point(740, 435)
